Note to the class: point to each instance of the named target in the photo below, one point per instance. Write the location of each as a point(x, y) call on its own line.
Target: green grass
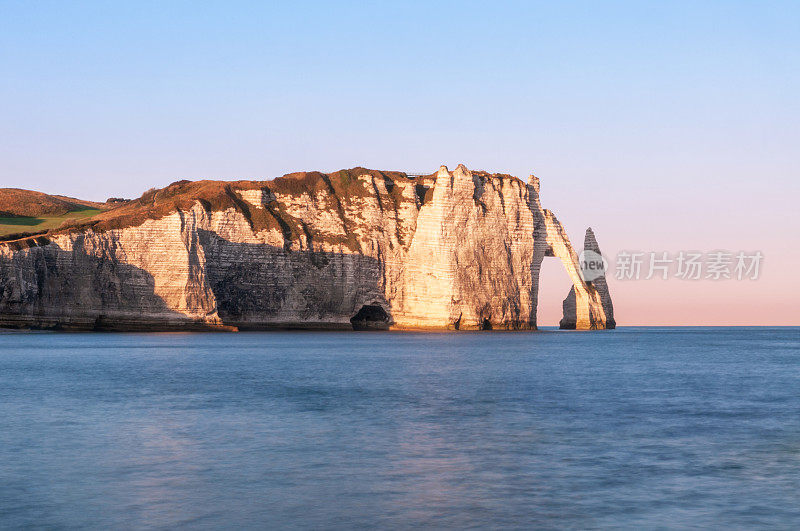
point(26, 224)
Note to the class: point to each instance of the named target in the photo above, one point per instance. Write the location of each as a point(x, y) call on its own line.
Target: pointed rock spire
point(600, 286)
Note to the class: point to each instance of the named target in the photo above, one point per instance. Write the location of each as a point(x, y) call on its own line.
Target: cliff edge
point(355, 249)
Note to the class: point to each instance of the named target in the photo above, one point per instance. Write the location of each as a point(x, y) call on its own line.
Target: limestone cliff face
point(354, 249)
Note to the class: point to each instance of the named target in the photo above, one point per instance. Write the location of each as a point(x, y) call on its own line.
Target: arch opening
point(554, 286)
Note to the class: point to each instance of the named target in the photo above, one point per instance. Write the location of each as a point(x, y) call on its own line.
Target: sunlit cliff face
point(353, 249)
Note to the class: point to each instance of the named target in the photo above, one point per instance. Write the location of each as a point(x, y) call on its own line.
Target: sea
point(632, 428)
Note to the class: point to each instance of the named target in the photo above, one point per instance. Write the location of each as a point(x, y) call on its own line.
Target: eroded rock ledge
point(358, 248)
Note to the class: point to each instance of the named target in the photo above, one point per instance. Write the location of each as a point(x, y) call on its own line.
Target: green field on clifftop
point(15, 225)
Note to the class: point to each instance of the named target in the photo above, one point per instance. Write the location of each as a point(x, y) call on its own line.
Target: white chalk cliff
point(352, 249)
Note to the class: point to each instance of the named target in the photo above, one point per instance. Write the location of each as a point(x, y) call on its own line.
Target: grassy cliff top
point(16, 202)
point(221, 195)
point(29, 212)
point(24, 213)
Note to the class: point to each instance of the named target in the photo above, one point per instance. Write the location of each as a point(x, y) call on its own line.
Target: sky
point(665, 126)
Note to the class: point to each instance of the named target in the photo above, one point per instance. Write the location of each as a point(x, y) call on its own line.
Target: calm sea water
point(632, 428)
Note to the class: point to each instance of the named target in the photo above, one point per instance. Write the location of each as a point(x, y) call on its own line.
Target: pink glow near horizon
point(771, 299)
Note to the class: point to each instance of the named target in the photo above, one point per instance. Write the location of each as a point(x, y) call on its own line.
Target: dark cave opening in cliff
point(370, 317)
point(554, 285)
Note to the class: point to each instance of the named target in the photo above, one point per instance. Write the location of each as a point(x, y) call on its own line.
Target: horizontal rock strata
point(359, 249)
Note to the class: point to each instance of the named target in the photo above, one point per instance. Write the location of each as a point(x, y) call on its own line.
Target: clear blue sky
point(661, 124)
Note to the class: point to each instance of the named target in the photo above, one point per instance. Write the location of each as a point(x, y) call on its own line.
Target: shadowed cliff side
point(47, 287)
point(258, 286)
point(252, 287)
